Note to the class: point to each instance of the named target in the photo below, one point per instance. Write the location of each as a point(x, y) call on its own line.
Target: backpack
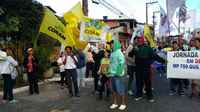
point(3, 56)
point(72, 56)
point(81, 60)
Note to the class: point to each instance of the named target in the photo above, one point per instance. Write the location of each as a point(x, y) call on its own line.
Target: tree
point(20, 20)
point(21, 16)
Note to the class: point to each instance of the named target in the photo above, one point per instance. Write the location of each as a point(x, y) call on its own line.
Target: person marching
point(130, 68)
point(9, 73)
point(104, 76)
point(62, 69)
point(116, 70)
point(176, 83)
point(81, 67)
point(144, 56)
point(31, 64)
point(195, 85)
point(70, 63)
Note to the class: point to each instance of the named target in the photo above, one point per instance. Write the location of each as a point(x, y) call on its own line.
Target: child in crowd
point(62, 69)
point(104, 78)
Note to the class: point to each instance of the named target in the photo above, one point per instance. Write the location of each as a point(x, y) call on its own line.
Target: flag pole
point(35, 40)
point(179, 23)
point(168, 17)
point(38, 34)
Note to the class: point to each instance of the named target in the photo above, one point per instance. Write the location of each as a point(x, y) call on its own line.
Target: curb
point(25, 88)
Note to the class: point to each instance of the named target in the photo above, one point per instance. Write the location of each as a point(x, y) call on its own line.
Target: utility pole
point(154, 23)
point(85, 7)
point(147, 4)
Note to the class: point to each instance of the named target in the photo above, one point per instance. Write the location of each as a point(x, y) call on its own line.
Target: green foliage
point(42, 54)
point(43, 51)
point(24, 14)
point(20, 19)
point(11, 24)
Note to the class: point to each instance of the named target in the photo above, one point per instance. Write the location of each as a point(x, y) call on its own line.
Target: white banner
point(183, 64)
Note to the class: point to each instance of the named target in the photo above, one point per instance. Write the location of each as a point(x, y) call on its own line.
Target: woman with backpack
point(9, 73)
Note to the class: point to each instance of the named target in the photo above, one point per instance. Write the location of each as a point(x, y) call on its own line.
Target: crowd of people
point(109, 68)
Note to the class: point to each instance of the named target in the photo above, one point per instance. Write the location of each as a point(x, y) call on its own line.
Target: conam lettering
point(52, 29)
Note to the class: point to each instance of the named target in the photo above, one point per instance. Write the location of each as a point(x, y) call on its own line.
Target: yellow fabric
point(168, 49)
point(108, 37)
point(74, 15)
point(73, 18)
point(73, 32)
point(104, 65)
point(148, 36)
point(54, 28)
point(105, 61)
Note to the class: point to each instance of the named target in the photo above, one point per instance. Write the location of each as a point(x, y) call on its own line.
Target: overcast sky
point(132, 8)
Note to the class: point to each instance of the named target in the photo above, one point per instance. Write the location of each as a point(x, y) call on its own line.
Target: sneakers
point(13, 101)
point(62, 87)
point(172, 93)
point(130, 93)
point(4, 101)
point(182, 94)
point(138, 98)
point(151, 100)
point(122, 107)
point(113, 106)
point(77, 95)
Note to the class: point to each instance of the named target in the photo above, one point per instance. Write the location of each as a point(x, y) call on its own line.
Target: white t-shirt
point(7, 66)
point(70, 64)
point(61, 65)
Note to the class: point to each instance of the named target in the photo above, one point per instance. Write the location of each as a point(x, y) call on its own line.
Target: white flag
point(138, 32)
point(172, 5)
point(183, 13)
point(164, 23)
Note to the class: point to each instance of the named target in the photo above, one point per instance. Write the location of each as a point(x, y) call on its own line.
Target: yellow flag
point(108, 37)
point(55, 28)
point(74, 33)
point(93, 30)
point(74, 15)
point(148, 36)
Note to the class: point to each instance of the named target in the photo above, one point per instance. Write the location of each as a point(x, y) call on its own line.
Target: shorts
point(118, 85)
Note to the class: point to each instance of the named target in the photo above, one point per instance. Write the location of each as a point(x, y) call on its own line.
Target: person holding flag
point(144, 57)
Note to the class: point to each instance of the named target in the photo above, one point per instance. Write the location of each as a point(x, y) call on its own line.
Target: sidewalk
point(25, 88)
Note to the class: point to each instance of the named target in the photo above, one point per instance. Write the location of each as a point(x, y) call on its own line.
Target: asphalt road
point(54, 99)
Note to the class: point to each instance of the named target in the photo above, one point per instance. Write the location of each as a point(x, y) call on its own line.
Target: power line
point(110, 7)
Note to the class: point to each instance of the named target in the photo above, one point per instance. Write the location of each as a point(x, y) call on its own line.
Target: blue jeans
point(118, 85)
point(8, 87)
point(71, 77)
point(176, 85)
point(130, 72)
point(143, 78)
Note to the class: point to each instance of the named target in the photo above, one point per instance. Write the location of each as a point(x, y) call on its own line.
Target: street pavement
point(53, 99)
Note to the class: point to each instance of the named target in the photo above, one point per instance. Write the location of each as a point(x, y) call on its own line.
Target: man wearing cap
point(30, 64)
point(144, 56)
